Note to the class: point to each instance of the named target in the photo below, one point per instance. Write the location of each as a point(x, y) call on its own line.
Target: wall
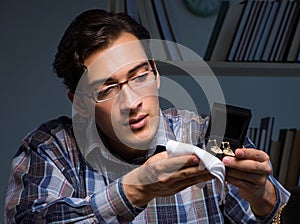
point(30, 92)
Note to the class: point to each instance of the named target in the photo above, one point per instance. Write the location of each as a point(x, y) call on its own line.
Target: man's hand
point(162, 176)
point(249, 171)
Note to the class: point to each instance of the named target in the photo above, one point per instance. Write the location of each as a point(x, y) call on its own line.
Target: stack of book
point(256, 31)
point(285, 157)
point(153, 15)
point(284, 152)
point(261, 136)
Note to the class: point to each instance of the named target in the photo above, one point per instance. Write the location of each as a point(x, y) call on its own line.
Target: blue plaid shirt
point(51, 182)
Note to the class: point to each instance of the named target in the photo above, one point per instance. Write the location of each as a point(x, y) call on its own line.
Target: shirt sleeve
point(112, 205)
point(44, 188)
point(237, 210)
point(282, 197)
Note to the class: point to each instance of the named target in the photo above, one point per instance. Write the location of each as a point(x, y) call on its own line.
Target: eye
point(141, 78)
point(107, 92)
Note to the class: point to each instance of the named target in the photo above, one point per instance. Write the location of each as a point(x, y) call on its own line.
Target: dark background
point(31, 93)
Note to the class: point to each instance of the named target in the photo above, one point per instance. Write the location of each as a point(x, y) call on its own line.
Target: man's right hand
point(162, 176)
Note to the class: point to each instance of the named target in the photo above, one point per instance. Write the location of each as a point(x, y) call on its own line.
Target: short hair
point(92, 30)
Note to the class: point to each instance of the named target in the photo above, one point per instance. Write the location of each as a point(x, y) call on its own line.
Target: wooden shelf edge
point(259, 69)
point(255, 69)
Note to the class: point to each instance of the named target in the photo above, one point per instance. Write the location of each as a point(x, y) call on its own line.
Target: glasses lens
point(107, 93)
point(137, 82)
point(142, 80)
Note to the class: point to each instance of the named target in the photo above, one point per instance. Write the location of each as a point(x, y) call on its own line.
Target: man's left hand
point(249, 171)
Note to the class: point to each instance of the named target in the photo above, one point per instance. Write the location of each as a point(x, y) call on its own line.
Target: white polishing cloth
point(208, 161)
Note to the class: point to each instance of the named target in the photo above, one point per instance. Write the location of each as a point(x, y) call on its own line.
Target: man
point(107, 164)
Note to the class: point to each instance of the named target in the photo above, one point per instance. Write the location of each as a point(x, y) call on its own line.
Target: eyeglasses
point(111, 91)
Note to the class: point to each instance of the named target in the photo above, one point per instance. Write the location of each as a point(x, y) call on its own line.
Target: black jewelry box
point(227, 129)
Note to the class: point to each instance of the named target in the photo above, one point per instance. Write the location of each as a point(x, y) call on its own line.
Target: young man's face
point(131, 118)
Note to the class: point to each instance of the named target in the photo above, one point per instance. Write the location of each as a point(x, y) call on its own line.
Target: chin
point(140, 141)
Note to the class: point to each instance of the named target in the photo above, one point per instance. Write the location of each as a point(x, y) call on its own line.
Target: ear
point(78, 104)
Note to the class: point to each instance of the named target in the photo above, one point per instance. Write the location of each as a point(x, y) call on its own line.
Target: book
point(216, 30)
point(274, 153)
point(166, 31)
point(266, 31)
point(250, 134)
point(256, 136)
point(258, 29)
point(240, 31)
point(298, 55)
point(226, 35)
point(294, 163)
point(274, 31)
point(132, 10)
point(281, 31)
point(148, 19)
point(267, 124)
point(281, 139)
point(262, 139)
point(292, 54)
point(251, 20)
point(285, 155)
point(250, 31)
point(116, 5)
point(288, 33)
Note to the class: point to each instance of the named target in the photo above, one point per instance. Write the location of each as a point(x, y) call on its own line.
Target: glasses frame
point(119, 85)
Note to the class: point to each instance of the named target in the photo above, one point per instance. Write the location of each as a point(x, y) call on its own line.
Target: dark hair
point(92, 30)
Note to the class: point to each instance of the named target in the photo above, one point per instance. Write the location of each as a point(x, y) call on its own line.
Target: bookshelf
point(255, 69)
point(241, 69)
point(265, 39)
point(229, 26)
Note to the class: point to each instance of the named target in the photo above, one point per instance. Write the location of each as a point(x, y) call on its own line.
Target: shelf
point(255, 69)
point(261, 69)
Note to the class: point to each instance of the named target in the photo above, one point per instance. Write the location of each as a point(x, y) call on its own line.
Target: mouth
point(138, 122)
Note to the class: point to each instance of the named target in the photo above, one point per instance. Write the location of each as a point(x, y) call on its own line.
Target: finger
point(190, 172)
point(241, 184)
point(187, 176)
point(182, 184)
point(247, 165)
point(252, 154)
point(179, 185)
point(252, 178)
point(180, 162)
point(157, 157)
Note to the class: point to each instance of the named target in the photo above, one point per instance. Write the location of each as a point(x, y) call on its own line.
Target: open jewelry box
point(227, 129)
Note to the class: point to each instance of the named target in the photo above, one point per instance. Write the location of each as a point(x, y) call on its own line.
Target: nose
point(129, 99)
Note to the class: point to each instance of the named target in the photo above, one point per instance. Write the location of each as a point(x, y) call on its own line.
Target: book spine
point(226, 35)
point(264, 11)
point(250, 30)
point(281, 32)
point(266, 32)
point(274, 31)
point(290, 33)
point(287, 148)
point(216, 30)
point(246, 31)
point(292, 54)
point(239, 31)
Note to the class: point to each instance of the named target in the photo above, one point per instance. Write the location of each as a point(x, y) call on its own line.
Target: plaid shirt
point(51, 182)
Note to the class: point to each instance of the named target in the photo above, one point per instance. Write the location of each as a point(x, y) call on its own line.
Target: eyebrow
point(110, 79)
